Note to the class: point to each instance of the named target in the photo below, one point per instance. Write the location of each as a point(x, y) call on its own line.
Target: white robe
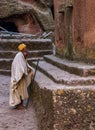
point(20, 79)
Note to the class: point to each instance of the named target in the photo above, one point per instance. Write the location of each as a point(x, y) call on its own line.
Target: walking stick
point(31, 84)
point(35, 71)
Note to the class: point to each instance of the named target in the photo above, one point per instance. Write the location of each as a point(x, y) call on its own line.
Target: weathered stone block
point(74, 109)
point(67, 108)
point(43, 103)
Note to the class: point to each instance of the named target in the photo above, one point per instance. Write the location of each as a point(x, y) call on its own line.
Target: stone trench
point(22, 119)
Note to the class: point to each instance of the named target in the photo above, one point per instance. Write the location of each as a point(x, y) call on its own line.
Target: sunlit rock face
point(28, 16)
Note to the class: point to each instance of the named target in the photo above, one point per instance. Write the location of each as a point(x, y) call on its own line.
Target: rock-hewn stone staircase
point(67, 72)
point(64, 94)
point(64, 91)
point(8, 48)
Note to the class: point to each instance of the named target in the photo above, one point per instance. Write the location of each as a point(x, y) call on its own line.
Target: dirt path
point(14, 119)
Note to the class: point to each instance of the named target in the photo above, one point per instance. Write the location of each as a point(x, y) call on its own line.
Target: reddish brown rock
point(74, 29)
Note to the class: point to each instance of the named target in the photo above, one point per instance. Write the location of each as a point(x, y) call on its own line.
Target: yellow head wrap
point(21, 46)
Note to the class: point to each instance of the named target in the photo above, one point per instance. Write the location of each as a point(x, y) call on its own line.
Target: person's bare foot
point(20, 106)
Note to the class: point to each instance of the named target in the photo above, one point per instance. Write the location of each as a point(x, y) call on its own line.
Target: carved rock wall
point(28, 16)
point(75, 33)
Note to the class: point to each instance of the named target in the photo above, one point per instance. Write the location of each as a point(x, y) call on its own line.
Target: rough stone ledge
point(31, 54)
point(33, 44)
point(26, 40)
point(74, 67)
point(60, 107)
point(63, 77)
point(5, 72)
point(6, 62)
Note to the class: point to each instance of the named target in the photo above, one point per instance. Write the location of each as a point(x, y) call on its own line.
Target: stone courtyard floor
point(22, 119)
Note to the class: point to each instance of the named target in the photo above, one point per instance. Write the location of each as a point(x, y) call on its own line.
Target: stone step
point(9, 36)
point(16, 36)
point(5, 72)
point(74, 67)
point(31, 54)
point(62, 77)
point(32, 44)
point(7, 54)
point(46, 82)
point(56, 103)
point(5, 63)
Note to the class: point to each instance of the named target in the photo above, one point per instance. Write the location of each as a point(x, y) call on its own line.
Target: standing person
point(21, 75)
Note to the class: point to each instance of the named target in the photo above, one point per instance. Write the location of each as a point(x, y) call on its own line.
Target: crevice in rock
point(52, 10)
point(8, 25)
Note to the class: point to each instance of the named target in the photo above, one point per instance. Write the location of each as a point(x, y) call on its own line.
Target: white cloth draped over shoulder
point(20, 79)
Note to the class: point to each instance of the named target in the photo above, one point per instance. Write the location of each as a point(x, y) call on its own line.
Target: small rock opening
point(52, 10)
point(9, 26)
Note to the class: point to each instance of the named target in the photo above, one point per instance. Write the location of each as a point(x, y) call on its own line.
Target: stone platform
point(68, 105)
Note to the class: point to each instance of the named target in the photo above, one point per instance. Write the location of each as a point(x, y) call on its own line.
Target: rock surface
point(28, 17)
point(63, 107)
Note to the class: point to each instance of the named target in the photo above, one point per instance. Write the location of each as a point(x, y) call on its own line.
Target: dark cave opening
point(9, 26)
point(52, 10)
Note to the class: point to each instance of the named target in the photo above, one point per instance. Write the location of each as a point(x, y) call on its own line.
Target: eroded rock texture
point(26, 16)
